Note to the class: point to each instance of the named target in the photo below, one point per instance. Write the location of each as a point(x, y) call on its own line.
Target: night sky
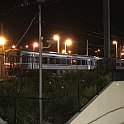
point(76, 19)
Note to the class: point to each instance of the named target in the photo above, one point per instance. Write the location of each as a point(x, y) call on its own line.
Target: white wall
point(110, 99)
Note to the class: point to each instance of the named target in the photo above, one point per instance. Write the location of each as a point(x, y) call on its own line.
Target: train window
point(122, 64)
point(74, 62)
point(11, 59)
point(44, 60)
point(25, 59)
point(28, 59)
point(118, 64)
point(78, 62)
point(32, 59)
point(69, 61)
point(63, 61)
point(91, 62)
point(58, 61)
point(17, 58)
point(52, 61)
point(83, 62)
point(14, 59)
point(95, 62)
point(7, 59)
point(37, 59)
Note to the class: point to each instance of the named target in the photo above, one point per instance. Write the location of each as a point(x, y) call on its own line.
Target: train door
point(88, 64)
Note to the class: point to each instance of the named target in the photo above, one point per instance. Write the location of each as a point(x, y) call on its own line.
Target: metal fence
point(25, 110)
point(64, 94)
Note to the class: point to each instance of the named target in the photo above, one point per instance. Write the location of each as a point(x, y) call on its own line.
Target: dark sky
point(75, 19)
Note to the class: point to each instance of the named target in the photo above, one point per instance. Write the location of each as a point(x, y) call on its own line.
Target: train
point(21, 60)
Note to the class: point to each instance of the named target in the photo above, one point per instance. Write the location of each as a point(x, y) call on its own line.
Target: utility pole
point(40, 63)
point(106, 13)
point(40, 68)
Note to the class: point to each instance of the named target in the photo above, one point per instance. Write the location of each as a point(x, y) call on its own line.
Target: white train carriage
point(66, 61)
point(22, 60)
point(120, 64)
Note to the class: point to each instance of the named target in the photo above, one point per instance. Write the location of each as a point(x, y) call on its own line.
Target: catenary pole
point(106, 14)
point(40, 63)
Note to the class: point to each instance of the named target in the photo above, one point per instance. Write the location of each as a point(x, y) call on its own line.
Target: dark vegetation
point(63, 95)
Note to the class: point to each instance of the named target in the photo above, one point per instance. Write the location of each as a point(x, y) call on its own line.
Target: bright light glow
point(69, 51)
point(98, 50)
point(68, 42)
point(52, 52)
point(2, 40)
point(116, 49)
point(63, 51)
point(56, 37)
point(13, 46)
point(122, 54)
point(35, 44)
point(114, 42)
point(26, 46)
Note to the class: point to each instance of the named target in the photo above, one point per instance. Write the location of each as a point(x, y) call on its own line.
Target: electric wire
point(5, 12)
point(86, 32)
point(27, 29)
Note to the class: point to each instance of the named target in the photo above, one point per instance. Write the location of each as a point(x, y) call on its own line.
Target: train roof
point(46, 53)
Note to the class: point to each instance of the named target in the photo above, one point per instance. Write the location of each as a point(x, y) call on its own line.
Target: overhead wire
point(5, 12)
point(87, 32)
point(90, 33)
point(27, 29)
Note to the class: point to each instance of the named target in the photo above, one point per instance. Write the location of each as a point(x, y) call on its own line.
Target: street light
point(116, 47)
point(68, 42)
point(56, 37)
point(2, 41)
point(35, 45)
